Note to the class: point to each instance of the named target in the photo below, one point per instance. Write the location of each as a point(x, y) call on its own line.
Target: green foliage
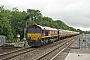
point(17, 20)
point(5, 27)
point(34, 14)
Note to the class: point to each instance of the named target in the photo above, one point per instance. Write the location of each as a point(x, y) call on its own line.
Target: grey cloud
point(76, 14)
point(72, 12)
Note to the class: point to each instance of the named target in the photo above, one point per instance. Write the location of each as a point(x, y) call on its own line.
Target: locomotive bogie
point(34, 42)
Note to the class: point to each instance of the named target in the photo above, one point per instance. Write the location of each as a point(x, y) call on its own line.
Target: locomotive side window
point(46, 33)
point(38, 31)
point(31, 30)
point(42, 31)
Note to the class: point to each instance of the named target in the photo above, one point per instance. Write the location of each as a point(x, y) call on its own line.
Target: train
point(38, 35)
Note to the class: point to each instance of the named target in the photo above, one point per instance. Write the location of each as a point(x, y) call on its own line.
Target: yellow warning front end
point(34, 36)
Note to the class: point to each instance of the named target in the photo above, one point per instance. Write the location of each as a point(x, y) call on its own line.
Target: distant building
point(2, 39)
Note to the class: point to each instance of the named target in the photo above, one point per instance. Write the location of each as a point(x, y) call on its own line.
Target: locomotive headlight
point(29, 37)
point(38, 37)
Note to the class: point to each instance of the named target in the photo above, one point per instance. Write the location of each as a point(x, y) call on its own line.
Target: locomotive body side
point(40, 35)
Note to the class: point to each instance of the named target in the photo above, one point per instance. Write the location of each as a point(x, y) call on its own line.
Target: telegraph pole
point(25, 28)
point(58, 35)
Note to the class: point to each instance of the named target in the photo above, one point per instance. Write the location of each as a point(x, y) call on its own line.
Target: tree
point(34, 14)
point(17, 22)
point(5, 27)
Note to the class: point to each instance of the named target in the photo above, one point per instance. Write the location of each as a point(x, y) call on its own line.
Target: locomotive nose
point(31, 38)
point(34, 36)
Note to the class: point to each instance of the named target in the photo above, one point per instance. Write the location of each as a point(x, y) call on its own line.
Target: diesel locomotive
point(40, 35)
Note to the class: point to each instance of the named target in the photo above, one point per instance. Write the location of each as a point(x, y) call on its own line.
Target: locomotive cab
point(34, 35)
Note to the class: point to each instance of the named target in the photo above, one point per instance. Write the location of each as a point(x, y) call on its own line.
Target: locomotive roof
point(46, 28)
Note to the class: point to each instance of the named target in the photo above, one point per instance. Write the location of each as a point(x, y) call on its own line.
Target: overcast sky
point(75, 13)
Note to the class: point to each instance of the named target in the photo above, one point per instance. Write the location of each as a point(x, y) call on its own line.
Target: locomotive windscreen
point(34, 30)
point(38, 30)
point(31, 30)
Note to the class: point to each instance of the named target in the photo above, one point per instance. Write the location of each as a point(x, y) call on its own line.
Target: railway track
point(40, 53)
point(46, 52)
point(62, 47)
point(15, 53)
